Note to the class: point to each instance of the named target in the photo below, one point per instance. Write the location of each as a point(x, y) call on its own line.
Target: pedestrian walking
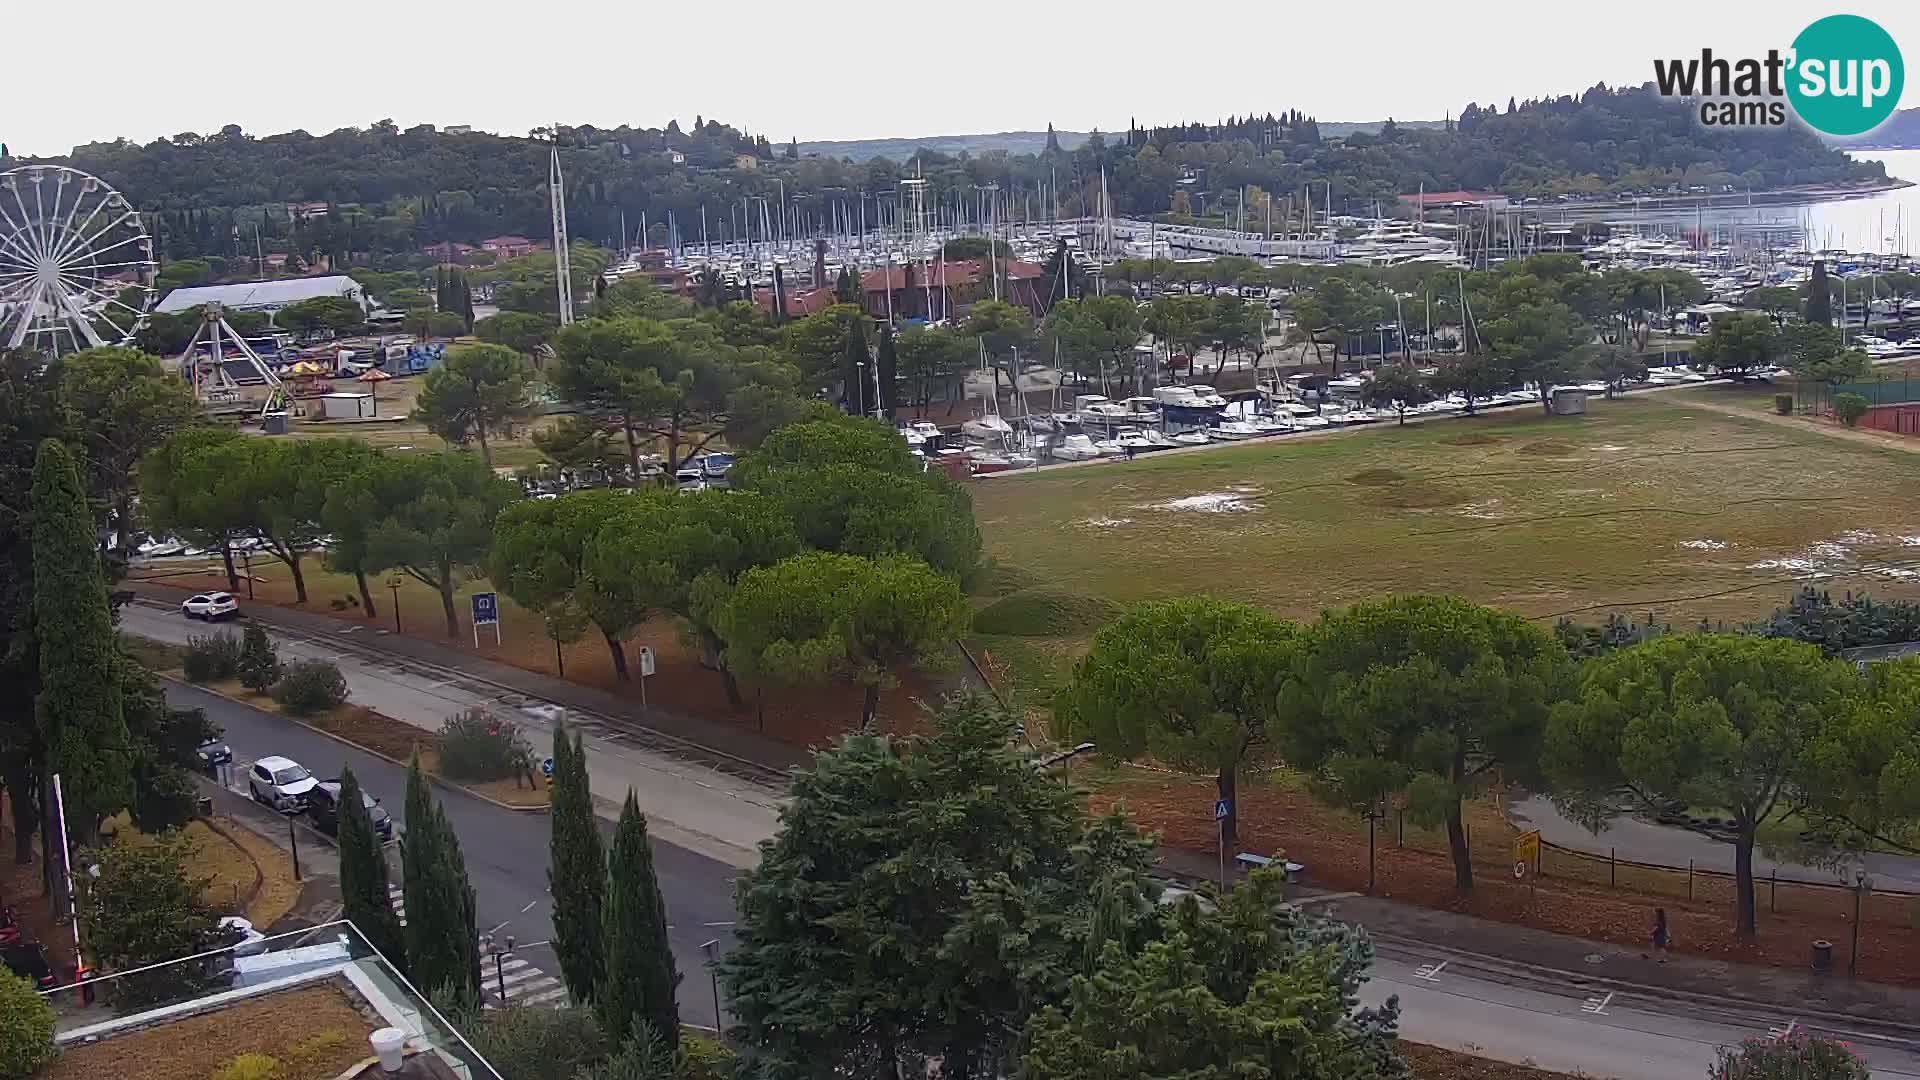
point(1662, 936)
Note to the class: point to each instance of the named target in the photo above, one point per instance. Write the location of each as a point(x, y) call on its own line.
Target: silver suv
point(281, 783)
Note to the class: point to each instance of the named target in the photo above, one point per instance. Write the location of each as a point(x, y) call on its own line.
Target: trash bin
point(1822, 957)
point(274, 423)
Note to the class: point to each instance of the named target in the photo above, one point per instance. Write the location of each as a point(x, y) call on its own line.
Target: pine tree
point(577, 878)
point(640, 977)
point(259, 664)
point(79, 704)
point(363, 875)
point(443, 948)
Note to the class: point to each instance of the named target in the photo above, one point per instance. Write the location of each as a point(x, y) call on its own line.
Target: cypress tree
point(577, 877)
point(78, 708)
point(466, 299)
point(1819, 295)
point(363, 875)
point(886, 363)
point(443, 948)
point(851, 361)
point(640, 978)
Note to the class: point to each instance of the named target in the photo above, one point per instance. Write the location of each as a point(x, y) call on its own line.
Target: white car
point(281, 783)
point(210, 606)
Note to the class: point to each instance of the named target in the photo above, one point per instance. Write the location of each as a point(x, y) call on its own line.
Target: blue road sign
point(546, 766)
point(1221, 809)
point(486, 609)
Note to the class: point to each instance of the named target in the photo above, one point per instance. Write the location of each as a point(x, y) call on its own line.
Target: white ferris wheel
point(76, 263)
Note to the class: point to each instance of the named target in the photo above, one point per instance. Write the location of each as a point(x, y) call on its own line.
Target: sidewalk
point(689, 802)
point(1511, 953)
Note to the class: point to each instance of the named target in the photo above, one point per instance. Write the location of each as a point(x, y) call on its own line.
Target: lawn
point(1644, 504)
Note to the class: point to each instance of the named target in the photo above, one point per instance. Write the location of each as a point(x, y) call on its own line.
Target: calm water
point(1888, 222)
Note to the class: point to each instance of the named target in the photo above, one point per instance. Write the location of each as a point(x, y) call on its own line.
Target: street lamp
point(1860, 890)
point(500, 953)
point(712, 949)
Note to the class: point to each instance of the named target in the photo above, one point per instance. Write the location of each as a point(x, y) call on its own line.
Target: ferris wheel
point(76, 263)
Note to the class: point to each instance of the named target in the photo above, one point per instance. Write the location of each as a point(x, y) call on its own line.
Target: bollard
point(1613, 879)
point(1689, 879)
point(1823, 957)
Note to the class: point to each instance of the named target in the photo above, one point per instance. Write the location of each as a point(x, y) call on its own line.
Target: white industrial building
point(268, 296)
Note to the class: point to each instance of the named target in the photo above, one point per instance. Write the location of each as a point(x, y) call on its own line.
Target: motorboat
point(1674, 376)
point(915, 441)
point(1196, 437)
point(1160, 440)
point(716, 466)
point(1309, 423)
point(983, 460)
point(1270, 425)
point(927, 430)
point(1076, 448)
point(1208, 397)
point(1109, 447)
point(1099, 409)
point(1178, 396)
point(988, 428)
point(1236, 430)
point(1142, 409)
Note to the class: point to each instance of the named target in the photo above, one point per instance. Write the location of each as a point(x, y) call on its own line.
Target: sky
point(849, 70)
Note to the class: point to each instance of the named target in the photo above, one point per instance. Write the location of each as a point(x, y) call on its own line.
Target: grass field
point(1651, 503)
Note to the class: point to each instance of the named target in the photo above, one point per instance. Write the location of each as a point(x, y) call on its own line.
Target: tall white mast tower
point(562, 265)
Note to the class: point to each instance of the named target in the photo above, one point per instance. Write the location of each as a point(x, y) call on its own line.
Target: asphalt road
point(506, 851)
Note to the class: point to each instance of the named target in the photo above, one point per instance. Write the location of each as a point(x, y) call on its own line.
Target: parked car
point(323, 806)
point(210, 606)
point(215, 753)
point(281, 783)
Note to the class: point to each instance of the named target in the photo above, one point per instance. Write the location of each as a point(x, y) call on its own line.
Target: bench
point(1247, 860)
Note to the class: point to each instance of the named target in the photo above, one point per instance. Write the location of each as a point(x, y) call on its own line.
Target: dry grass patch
point(314, 1033)
point(1433, 1063)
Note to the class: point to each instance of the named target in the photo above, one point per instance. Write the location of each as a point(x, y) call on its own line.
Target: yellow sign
point(394, 582)
point(1526, 847)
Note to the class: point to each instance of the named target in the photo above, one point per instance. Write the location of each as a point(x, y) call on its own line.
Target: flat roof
point(260, 294)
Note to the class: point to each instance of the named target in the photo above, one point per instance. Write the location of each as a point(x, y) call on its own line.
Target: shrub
point(212, 658)
point(259, 665)
point(26, 1027)
point(1043, 613)
point(250, 1067)
point(1849, 408)
point(1796, 1057)
point(704, 1058)
point(1783, 404)
point(309, 687)
point(475, 745)
point(538, 1044)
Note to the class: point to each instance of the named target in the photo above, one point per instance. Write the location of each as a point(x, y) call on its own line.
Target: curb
point(259, 875)
point(434, 777)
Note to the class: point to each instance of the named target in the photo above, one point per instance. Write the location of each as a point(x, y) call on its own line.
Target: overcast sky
point(847, 70)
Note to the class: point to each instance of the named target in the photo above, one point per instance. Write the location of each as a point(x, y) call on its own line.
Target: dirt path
point(1886, 440)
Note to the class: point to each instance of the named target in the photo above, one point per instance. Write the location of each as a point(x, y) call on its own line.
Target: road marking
point(496, 929)
point(526, 909)
point(1430, 972)
point(1597, 1005)
point(398, 900)
point(1779, 1033)
point(716, 924)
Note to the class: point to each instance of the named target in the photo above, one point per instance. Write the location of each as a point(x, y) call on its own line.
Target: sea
point(1884, 222)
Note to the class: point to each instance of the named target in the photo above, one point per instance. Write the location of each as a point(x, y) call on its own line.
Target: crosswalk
point(523, 983)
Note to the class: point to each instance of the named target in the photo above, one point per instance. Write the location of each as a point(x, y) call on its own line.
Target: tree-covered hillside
point(388, 191)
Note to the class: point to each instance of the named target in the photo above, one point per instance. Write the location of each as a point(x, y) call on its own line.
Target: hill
point(901, 149)
point(1900, 132)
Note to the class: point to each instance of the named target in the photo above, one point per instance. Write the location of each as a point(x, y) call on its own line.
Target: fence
point(1772, 893)
point(1887, 390)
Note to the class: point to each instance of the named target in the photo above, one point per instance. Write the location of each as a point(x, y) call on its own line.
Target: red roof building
point(1432, 199)
point(511, 247)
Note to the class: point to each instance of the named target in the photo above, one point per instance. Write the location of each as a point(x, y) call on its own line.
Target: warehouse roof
point(261, 295)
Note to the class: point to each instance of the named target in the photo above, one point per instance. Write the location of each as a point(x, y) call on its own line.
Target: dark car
point(215, 753)
point(323, 806)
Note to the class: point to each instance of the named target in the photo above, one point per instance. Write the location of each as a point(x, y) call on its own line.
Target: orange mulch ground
point(314, 1033)
point(803, 716)
point(1276, 819)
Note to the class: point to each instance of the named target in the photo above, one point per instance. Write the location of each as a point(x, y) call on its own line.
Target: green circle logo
point(1847, 75)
